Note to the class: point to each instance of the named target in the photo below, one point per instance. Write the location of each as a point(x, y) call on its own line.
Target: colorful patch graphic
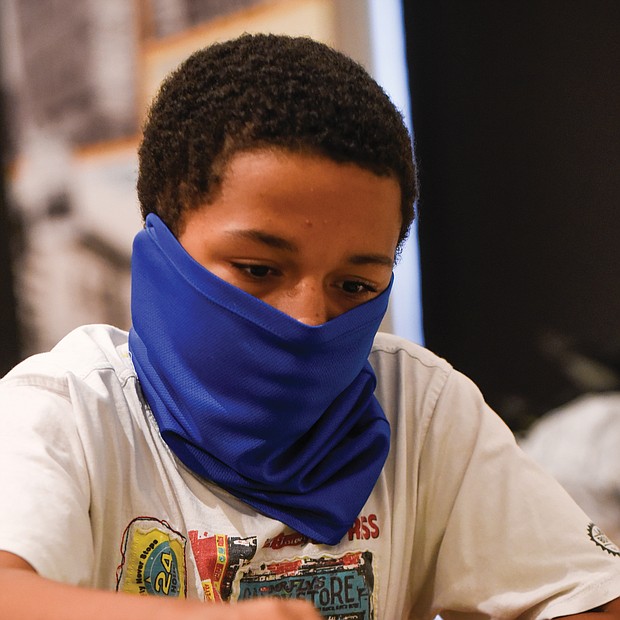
point(153, 559)
point(341, 588)
point(286, 540)
point(597, 536)
point(218, 558)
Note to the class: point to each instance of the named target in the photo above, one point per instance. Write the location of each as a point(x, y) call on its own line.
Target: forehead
point(306, 178)
point(307, 199)
point(308, 186)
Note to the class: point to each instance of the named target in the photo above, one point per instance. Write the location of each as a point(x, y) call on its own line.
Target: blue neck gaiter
point(280, 414)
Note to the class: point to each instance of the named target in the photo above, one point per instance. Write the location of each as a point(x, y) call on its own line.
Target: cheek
point(221, 271)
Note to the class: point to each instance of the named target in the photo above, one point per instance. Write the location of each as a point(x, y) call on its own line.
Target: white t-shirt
point(459, 522)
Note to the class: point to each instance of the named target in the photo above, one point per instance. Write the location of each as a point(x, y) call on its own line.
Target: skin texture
point(309, 236)
point(26, 596)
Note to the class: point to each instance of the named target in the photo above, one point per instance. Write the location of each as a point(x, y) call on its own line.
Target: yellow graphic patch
point(153, 559)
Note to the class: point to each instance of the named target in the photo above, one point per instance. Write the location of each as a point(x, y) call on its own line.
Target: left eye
point(256, 271)
point(355, 287)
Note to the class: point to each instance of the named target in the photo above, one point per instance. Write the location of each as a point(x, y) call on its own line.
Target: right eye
point(254, 270)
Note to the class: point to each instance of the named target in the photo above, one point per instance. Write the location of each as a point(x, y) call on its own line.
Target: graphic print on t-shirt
point(153, 559)
point(598, 537)
point(218, 558)
point(341, 588)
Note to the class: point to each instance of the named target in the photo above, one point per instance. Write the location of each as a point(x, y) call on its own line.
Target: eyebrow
point(371, 259)
point(280, 243)
point(273, 241)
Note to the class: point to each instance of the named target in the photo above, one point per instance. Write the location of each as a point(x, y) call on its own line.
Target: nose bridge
point(308, 303)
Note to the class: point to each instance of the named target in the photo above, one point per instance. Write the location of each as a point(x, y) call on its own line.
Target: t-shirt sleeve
point(44, 483)
point(509, 541)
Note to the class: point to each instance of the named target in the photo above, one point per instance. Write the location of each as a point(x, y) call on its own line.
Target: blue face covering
point(279, 413)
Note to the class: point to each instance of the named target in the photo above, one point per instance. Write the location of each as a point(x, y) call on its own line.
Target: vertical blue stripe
point(389, 68)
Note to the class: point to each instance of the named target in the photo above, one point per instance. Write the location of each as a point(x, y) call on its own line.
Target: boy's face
point(309, 236)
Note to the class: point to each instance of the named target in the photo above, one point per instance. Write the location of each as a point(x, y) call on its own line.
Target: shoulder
point(410, 379)
point(73, 396)
point(403, 365)
point(393, 359)
point(81, 356)
point(400, 351)
point(415, 383)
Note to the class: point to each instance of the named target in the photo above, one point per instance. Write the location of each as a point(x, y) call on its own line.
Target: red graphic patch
point(218, 558)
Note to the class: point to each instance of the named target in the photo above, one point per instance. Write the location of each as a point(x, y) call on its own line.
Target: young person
point(253, 439)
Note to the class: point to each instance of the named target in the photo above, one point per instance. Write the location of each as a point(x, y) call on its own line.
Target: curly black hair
point(266, 91)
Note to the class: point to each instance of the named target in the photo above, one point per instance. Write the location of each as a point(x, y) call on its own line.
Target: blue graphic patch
point(341, 588)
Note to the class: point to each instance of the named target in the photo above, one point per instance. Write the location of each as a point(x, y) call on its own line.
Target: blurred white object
point(579, 444)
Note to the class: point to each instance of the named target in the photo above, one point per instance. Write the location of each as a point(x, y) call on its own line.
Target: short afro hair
point(266, 91)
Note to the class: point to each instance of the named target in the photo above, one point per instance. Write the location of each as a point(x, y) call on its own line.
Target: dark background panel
point(10, 352)
point(517, 127)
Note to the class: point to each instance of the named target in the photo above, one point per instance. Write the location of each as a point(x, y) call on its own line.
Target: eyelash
point(364, 287)
point(247, 269)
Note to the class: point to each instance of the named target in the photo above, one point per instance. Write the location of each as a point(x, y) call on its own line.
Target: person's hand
point(610, 611)
point(59, 601)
